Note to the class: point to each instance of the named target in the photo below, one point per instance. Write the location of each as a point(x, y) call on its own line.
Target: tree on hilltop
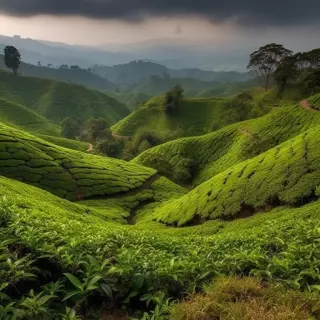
point(12, 58)
point(173, 99)
point(266, 60)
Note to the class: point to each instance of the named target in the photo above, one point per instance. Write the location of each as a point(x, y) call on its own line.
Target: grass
point(247, 298)
point(57, 100)
point(25, 119)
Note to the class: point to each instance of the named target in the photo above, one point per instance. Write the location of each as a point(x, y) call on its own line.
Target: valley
point(181, 194)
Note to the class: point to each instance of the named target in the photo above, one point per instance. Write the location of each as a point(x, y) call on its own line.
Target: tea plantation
point(211, 154)
point(91, 237)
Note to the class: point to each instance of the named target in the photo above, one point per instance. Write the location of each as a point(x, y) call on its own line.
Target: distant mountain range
point(173, 53)
point(76, 76)
point(136, 71)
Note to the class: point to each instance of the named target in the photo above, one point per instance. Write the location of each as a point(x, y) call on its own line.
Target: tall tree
point(12, 58)
point(266, 60)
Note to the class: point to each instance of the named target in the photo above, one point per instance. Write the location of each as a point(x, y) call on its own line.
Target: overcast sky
point(222, 23)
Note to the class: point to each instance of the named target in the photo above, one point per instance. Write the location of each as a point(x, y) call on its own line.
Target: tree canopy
point(12, 58)
point(266, 60)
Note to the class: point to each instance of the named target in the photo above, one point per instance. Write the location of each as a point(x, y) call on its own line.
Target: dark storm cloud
point(246, 12)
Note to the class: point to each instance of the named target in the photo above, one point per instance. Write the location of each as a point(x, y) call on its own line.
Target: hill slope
point(211, 154)
point(75, 76)
point(193, 117)
point(285, 175)
point(57, 100)
point(23, 118)
point(64, 172)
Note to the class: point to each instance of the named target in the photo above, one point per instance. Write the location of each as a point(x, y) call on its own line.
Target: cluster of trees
point(173, 99)
point(273, 63)
point(95, 131)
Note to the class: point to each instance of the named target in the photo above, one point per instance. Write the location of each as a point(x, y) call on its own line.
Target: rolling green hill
point(64, 172)
point(193, 117)
point(57, 100)
point(287, 175)
point(131, 100)
point(18, 116)
point(208, 155)
point(75, 76)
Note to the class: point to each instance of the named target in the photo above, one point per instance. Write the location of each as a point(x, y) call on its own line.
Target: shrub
point(111, 148)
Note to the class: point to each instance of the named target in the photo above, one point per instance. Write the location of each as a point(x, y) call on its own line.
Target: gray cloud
point(245, 12)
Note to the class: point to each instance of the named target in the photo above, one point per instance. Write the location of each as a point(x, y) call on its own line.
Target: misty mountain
point(57, 54)
point(136, 71)
point(173, 53)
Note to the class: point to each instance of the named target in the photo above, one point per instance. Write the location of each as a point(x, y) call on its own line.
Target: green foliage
point(264, 62)
point(70, 128)
point(172, 99)
point(111, 148)
point(97, 129)
point(12, 58)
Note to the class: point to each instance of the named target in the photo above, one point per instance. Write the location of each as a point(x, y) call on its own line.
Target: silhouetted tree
point(173, 99)
point(266, 60)
point(97, 129)
point(71, 128)
point(12, 58)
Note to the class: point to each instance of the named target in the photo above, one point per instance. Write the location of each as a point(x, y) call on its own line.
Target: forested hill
point(136, 71)
point(74, 75)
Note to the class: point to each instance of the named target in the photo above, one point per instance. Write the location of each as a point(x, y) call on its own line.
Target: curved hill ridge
point(64, 172)
point(193, 117)
point(288, 174)
point(20, 117)
point(216, 152)
point(57, 100)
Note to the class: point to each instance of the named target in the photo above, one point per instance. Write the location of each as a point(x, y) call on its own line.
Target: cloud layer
point(245, 12)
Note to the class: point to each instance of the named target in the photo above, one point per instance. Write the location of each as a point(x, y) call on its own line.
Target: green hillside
point(57, 100)
point(204, 157)
point(18, 116)
point(75, 76)
point(131, 100)
point(136, 262)
point(64, 172)
point(193, 117)
point(285, 175)
point(156, 85)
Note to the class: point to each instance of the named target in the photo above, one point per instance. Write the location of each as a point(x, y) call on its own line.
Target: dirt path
point(306, 105)
point(246, 132)
point(90, 148)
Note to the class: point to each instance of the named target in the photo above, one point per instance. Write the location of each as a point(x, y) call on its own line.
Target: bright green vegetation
point(23, 118)
point(64, 172)
point(315, 101)
point(58, 100)
point(75, 76)
point(88, 260)
point(209, 155)
point(66, 143)
point(285, 175)
point(193, 117)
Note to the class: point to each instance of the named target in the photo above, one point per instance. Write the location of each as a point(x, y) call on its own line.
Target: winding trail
point(90, 148)
point(306, 105)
